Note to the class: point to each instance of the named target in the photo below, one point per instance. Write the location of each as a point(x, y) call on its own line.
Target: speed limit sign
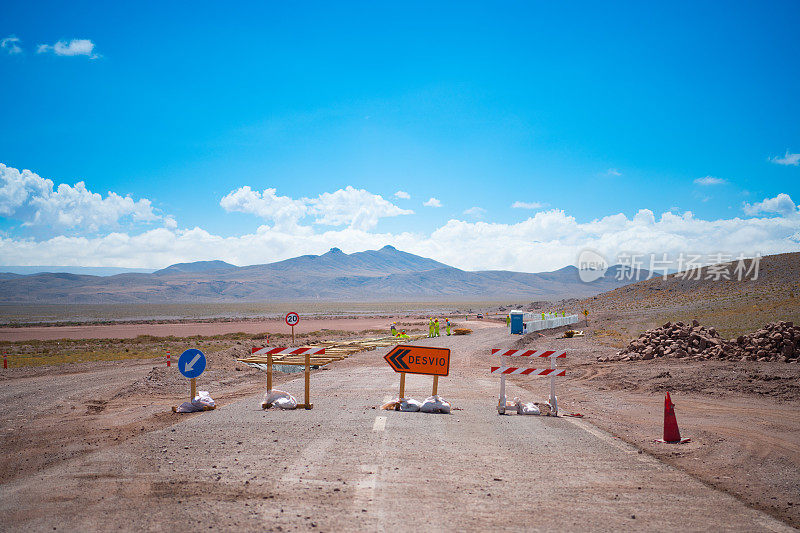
point(292, 319)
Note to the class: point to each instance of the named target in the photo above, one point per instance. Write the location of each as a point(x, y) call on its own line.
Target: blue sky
point(582, 111)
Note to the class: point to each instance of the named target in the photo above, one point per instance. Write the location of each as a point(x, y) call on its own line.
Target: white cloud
point(403, 195)
point(709, 180)
point(788, 159)
point(613, 172)
point(552, 239)
point(527, 205)
point(285, 212)
point(545, 241)
point(781, 204)
point(476, 212)
point(170, 222)
point(74, 47)
point(31, 199)
point(432, 202)
point(11, 45)
point(356, 208)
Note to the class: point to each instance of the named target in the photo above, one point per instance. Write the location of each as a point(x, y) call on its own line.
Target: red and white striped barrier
point(529, 353)
point(527, 371)
point(168, 360)
point(288, 351)
point(504, 371)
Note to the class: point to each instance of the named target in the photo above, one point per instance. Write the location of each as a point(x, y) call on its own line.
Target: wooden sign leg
point(192, 388)
point(402, 385)
point(292, 335)
point(308, 381)
point(269, 372)
point(435, 386)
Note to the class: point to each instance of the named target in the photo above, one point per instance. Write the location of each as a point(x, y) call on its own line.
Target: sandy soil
point(206, 328)
point(743, 418)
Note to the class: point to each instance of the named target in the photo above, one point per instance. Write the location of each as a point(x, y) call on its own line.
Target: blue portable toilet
point(516, 322)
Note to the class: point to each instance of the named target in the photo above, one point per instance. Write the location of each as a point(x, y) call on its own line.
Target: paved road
point(346, 465)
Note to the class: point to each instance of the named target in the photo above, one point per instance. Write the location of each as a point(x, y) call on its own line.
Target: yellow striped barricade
point(503, 370)
point(264, 358)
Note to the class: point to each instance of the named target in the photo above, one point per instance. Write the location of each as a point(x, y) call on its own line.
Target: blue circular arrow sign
point(191, 363)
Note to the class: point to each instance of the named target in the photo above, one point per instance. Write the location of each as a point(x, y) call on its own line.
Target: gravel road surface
point(348, 465)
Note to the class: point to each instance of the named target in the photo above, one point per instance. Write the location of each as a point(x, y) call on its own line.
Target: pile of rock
point(778, 341)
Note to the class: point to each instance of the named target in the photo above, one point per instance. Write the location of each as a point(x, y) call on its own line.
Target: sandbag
point(202, 402)
point(278, 398)
point(410, 405)
point(391, 405)
point(435, 404)
point(527, 409)
point(285, 403)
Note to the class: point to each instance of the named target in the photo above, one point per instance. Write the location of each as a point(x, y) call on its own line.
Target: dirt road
point(347, 465)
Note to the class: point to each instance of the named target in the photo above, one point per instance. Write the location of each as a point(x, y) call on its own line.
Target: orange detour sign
point(419, 360)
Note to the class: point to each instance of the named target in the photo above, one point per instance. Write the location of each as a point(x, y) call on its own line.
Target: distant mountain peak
point(197, 267)
point(386, 274)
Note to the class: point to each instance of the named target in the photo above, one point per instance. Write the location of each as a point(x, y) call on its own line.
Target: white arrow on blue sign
point(191, 363)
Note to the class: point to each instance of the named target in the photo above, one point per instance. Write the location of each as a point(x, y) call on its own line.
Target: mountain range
point(387, 274)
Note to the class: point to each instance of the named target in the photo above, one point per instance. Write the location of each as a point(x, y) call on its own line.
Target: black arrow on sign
point(397, 359)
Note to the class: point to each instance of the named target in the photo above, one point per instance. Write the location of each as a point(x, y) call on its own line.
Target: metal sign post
point(292, 319)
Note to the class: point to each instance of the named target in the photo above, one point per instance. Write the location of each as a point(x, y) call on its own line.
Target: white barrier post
point(501, 407)
point(553, 372)
point(553, 400)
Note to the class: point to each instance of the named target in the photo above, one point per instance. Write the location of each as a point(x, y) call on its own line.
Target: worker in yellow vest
point(430, 327)
point(436, 328)
point(447, 326)
point(508, 320)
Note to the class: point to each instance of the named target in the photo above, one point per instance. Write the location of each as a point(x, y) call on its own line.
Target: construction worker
point(430, 327)
point(542, 315)
point(447, 326)
point(393, 330)
point(508, 320)
point(436, 328)
point(402, 335)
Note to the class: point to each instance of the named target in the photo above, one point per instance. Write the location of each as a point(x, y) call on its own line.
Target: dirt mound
point(227, 359)
point(735, 306)
point(222, 369)
point(777, 341)
point(773, 275)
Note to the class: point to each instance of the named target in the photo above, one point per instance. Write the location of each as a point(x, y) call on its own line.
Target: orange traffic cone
point(672, 434)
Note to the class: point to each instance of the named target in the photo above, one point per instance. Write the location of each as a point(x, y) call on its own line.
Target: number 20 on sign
point(292, 319)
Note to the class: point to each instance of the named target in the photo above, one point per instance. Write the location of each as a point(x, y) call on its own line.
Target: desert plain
point(90, 440)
